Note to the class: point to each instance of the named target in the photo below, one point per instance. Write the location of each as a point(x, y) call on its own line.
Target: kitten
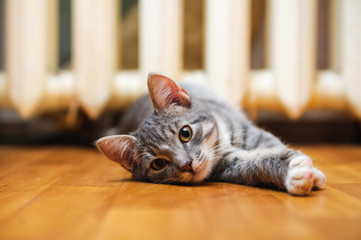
point(190, 138)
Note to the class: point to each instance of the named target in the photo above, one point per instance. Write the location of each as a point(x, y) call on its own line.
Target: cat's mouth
point(198, 176)
point(200, 171)
point(191, 177)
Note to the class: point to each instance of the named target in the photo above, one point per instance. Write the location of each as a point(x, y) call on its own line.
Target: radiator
point(290, 83)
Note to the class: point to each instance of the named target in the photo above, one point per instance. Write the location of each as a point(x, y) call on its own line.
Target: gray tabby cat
point(190, 138)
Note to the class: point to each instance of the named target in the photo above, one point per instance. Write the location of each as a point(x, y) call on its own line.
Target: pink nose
point(187, 167)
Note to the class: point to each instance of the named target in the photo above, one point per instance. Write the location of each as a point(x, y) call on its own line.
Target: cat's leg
point(281, 167)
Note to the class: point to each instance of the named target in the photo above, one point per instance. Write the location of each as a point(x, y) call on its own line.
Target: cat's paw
point(302, 176)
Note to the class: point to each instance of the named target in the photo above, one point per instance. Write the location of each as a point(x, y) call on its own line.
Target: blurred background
point(69, 68)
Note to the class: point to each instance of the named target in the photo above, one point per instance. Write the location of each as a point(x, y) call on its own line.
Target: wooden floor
point(75, 193)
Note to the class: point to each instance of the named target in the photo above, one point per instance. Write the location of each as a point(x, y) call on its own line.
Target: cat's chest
point(230, 130)
point(224, 132)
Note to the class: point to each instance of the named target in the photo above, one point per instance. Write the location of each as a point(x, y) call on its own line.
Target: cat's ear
point(118, 148)
point(164, 92)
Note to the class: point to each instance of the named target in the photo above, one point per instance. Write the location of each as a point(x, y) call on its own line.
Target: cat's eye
point(158, 164)
point(185, 134)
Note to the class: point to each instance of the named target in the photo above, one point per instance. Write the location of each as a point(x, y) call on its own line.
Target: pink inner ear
point(118, 148)
point(164, 92)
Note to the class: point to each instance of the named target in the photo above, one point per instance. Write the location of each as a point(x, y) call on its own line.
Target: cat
point(191, 136)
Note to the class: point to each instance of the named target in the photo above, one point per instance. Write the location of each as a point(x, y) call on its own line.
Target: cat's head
point(177, 143)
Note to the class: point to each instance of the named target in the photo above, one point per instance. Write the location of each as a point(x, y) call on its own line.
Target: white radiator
point(290, 83)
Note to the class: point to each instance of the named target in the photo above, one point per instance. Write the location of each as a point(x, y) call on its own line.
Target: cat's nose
point(187, 167)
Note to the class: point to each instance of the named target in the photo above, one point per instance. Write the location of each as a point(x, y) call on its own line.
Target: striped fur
point(225, 146)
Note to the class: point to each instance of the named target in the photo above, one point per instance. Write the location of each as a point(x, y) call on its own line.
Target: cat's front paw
point(302, 176)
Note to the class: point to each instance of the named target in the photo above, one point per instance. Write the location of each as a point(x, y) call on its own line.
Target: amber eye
point(185, 134)
point(158, 164)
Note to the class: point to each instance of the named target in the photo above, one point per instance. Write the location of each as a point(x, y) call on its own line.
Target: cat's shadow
point(203, 184)
point(131, 180)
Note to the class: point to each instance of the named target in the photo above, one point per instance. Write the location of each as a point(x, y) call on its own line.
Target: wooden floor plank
point(75, 193)
point(59, 213)
point(353, 189)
